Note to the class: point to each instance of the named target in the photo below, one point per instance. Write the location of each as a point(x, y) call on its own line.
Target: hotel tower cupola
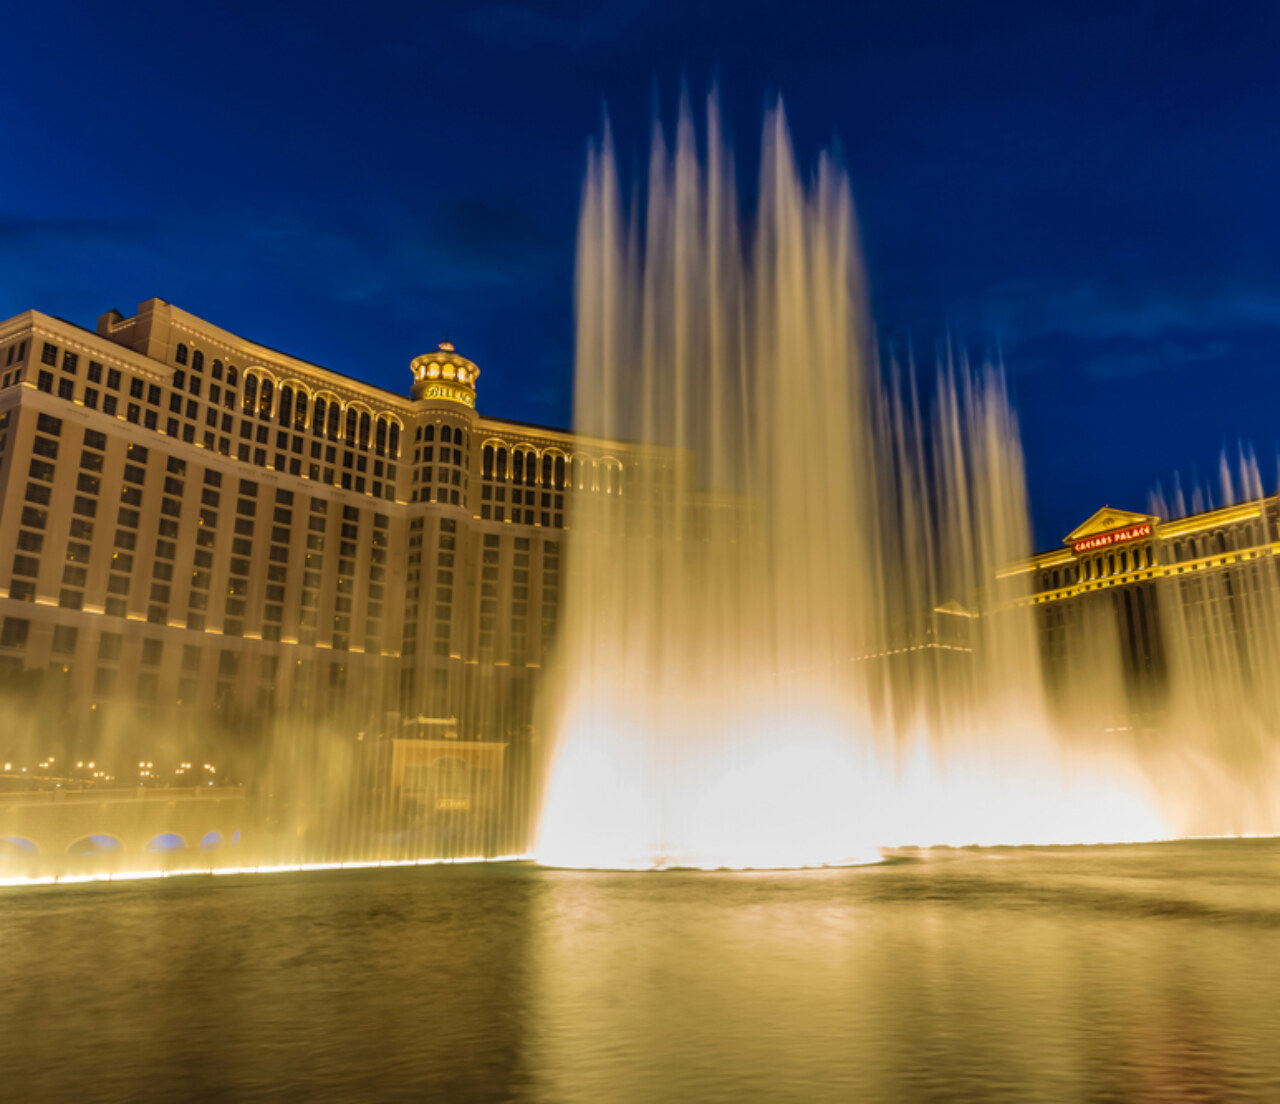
point(444, 376)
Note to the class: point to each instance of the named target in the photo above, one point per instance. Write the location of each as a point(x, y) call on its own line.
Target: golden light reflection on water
point(1131, 973)
point(1015, 975)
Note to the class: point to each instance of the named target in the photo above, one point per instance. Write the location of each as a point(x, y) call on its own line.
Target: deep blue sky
point(1094, 185)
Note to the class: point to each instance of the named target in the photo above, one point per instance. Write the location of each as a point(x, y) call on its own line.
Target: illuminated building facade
point(1127, 588)
point(196, 525)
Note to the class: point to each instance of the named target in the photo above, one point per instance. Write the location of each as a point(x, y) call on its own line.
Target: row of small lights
point(146, 769)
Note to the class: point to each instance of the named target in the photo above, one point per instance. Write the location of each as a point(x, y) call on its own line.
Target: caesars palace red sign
point(1119, 536)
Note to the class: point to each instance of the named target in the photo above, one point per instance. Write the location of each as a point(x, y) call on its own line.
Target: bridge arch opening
point(96, 845)
point(210, 841)
point(15, 847)
point(168, 841)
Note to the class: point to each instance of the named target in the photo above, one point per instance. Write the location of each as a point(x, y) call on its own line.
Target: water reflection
point(1126, 974)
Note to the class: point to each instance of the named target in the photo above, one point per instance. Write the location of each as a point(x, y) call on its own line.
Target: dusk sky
point(1092, 187)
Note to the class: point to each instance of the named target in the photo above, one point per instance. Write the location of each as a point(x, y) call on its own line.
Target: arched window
point(181, 355)
point(517, 465)
point(250, 394)
point(232, 375)
point(286, 406)
point(334, 417)
point(380, 437)
point(548, 465)
point(501, 469)
point(265, 397)
point(353, 419)
point(559, 473)
point(365, 425)
point(300, 410)
point(395, 441)
point(487, 462)
point(1124, 561)
point(197, 361)
point(317, 421)
point(217, 369)
point(429, 434)
point(531, 469)
point(446, 434)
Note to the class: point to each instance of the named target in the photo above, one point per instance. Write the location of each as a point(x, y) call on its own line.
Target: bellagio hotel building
point(195, 525)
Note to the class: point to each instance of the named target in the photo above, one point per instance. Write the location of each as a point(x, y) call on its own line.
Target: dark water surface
point(1125, 974)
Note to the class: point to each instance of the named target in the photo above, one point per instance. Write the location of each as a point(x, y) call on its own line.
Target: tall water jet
point(781, 646)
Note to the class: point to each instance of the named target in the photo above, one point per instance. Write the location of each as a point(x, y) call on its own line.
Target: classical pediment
point(1107, 520)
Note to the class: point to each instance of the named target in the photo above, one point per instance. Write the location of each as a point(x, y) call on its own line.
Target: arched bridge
point(55, 827)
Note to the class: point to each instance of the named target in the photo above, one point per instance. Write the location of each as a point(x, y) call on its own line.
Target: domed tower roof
point(444, 375)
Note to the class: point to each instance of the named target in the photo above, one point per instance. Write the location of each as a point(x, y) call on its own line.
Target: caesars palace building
point(192, 522)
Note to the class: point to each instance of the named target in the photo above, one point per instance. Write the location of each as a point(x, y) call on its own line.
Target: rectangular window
point(69, 362)
point(49, 355)
point(14, 632)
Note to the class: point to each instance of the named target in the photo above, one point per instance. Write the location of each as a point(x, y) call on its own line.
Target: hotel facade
point(196, 526)
point(1166, 614)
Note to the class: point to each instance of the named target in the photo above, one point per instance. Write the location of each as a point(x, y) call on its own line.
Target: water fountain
point(780, 645)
